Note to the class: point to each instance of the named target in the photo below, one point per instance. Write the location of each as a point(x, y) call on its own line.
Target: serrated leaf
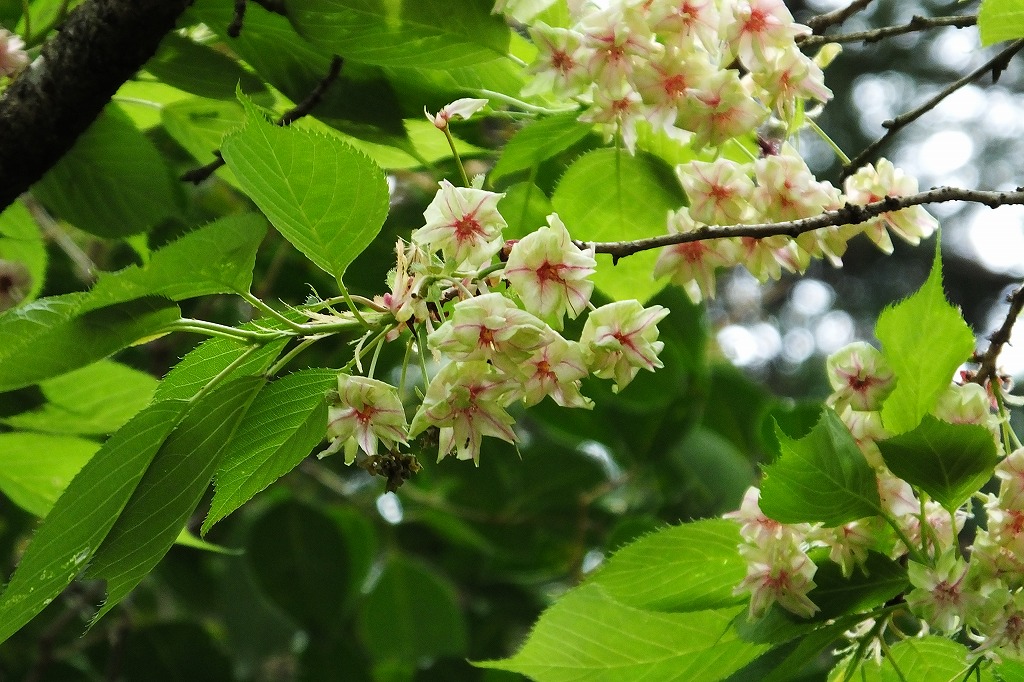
point(199, 125)
point(924, 363)
point(172, 486)
point(286, 421)
point(201, 70)
point(416, 610)
point(428, 33)
point(83, 515)
point(326, 198)
point(35, 468)
point(822, 477)
point(538, 141)
point(688, 567)
point(608, 195)
point(113, 182)
point(588, 635)
point(54, 335)
point(217, 258)
point(921, 659)
point(94, 400)
point(22, 242)
point(1000, 20)
point(950, 462)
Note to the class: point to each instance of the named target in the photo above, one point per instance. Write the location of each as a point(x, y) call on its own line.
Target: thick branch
point(1000, 338)
point(994, 65)
point(847, 215)
point(821, 22)
point(101, 44)
point(917, 23)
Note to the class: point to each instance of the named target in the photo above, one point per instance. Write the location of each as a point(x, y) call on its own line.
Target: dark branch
point(1000, 338)
point(822, 22)
point(917, 23)
point(303, 108)
point(847, 215)
point(100, 45)
point(994, 65)
point(275, 6)
point(235, 27)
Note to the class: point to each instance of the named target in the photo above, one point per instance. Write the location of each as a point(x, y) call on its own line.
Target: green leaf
point(199, 125)
point(170, 490)
point(878, 581)
point(326, 198)
point(113, 182)
point(924, 363)
point(588, 635)
point(83, 515)
point(807, 650)
point(35, 468)
point(950, 462)
point(51, 336)
point(202, 70)
point(921, 659)
point(1010, 671)
point(537, 142)
point(822, 477)
point(286, 421)
point(1000, 20)
point(416, 610)
point(217, 258)
point(683, 568)
point(608, 195)
point(429, 33)
point(22, 242)
point(95, 400)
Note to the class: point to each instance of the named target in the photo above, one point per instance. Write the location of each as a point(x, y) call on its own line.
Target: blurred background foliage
point(326, 576)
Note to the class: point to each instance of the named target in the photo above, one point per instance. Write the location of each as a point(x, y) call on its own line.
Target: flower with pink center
point(1010, 472)
point(874, 183)
point(778, 574)
point(13, 58)
point(692, 265)
point(618, 37)
point(720, 110)
point(459, 109)
point(676, 20)
point(788, 76)
point(367, 411)
point(860, 377)
point(759, 28)
point(849, 544)
point(620, 338)
point(719, 191)
point(1005, 525)
point(787, 190)
point(464, 224)
point(618, 109)
point(490, 327)
point(755, 527)
point(666, 83)
point(764, 258)
point(550, 273)
point(941, 595)
point(555, 370)
point(967, 404)
point(466, 400)
point(561, 63)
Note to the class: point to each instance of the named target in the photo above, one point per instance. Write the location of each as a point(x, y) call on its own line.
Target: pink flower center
point(467, 227)
point(758, 21)
point(562, 61)
point(674, 86)
point(548, 272)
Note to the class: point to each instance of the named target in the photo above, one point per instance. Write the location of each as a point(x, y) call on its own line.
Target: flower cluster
point(13, 58)
point(494, 329)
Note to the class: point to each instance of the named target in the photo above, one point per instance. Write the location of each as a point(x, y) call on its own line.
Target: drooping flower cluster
point(13, 58)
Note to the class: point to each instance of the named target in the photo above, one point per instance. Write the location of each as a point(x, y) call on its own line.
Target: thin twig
point(996, 65)
point(916, 23)
point(1000, 338)
point(821, 22)
point(85, 269)
point(303, 108)
point(847, 215)
point(235, 27)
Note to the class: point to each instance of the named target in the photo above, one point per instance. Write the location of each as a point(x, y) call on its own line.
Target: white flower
point(719, 191)
point(464, 224)
point(555, 370)
point(692, 265)
point(874, 183)
point(367, 411)
point(13, 57)
point(460, 108)
point(620, 338)
point(860, 377)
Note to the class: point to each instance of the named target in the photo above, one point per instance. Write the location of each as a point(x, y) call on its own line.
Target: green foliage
point(538, 142)
point(22, 243)
point(821, 477)
point(923, 368)
point(203, 71)
point(927, 658)
point(950, 462)
point(35, 467)
point(1000, 20)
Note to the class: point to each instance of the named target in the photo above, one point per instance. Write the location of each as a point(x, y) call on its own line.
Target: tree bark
point(100, 45)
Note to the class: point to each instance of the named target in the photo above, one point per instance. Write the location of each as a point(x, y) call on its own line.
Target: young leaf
point(924, 339)
point(326, 198)
point(608, 195)
point(51, 336)
point(950, 462)
point(1000, 20)
point(95, 400)
point(683, 568)
point(821, 477)
point(924, 659)
point(588, 635)
point(537, 142)
point(170, 490)
point(286, 421)
point(83, 515)
point(35, 468)
point(429, 33)
point(113, 182)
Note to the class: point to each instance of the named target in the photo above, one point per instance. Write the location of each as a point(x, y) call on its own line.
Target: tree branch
point(999, 338)
point(100, 45)
point(303, 108)
point(847, 215)
point(917, 23)
point(822, 22)
point(995, 65)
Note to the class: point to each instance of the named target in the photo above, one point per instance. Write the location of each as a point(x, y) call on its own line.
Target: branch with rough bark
point(822, 22)
point(847, 215)
point(987, 370)
point(916, 24)
point(100, 45)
